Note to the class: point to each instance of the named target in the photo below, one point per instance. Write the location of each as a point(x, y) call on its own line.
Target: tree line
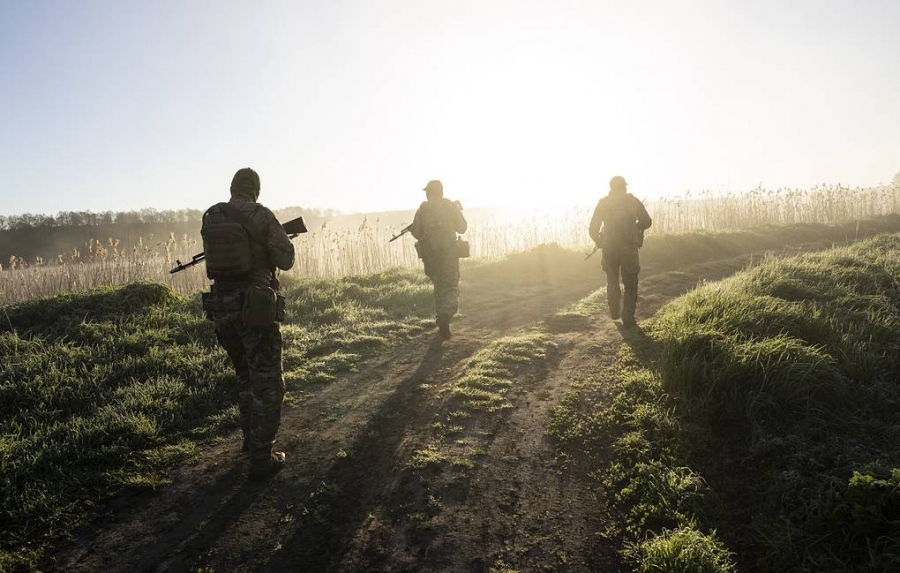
point(29, 236)
point(91, 219)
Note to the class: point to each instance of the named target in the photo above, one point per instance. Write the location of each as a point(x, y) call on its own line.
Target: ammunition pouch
point(637, 237)
point(261, 307)
point(216, 302)
point(461, 248)
point(458, 248)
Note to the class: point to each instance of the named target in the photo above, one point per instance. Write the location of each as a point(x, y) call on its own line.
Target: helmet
point(617, 183)
point(245, 181)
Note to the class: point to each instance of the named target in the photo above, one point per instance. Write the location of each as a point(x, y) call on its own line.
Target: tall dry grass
point(331, 252)
point(824, 204)
point(98, 264)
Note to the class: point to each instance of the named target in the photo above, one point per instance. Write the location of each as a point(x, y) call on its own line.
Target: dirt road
point(348, 500)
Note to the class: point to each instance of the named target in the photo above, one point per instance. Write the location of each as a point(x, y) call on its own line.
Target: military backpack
point(226, 243)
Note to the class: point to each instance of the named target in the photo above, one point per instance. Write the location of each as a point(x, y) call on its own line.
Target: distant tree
point(896, 181)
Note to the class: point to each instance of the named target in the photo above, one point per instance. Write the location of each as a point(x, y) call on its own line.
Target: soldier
point(435, 226)
point(617, 228)
point(244, 243)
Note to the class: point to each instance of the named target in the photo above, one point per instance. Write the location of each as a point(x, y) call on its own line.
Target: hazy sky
point(127, 104)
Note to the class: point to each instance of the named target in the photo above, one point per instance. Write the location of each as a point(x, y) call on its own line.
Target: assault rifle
point(596, 248)
point(402, 232)
point(293, 228)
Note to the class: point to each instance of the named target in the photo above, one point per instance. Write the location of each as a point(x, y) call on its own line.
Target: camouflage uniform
point(617, 227)
point(436, 223)
point(255, 353)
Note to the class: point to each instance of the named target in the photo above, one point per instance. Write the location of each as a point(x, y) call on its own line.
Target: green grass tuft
point(489, 374)
point(683, 550)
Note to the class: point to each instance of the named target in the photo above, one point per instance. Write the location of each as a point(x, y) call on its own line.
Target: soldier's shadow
point(356, 486)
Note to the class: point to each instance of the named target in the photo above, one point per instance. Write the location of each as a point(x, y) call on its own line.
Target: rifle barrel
point(402, 232)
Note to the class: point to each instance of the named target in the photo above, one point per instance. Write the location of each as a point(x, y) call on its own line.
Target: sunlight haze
point(356, 105)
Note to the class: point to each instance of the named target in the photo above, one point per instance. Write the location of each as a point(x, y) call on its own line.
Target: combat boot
point(629, 305)
point(260, 471)
point(443, 322)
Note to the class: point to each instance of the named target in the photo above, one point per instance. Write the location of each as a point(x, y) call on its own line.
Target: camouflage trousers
point(443, 271)
point(624, 264)
point(256, 357)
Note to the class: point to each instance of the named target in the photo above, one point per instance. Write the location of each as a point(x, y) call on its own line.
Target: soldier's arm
point(281, 249)
point(417, 228)
point(643, 217)
point(459, 222)
point(596, 224)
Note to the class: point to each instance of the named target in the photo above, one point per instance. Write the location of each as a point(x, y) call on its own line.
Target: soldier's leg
point(263, 349)
point(446, 291)
point(431, 271)
point(229, 338)
point(448, 305)
point(630, 269)
point(610, 264)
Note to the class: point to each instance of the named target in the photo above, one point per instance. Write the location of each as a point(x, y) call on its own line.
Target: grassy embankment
point(755, 421)
point(105, 391)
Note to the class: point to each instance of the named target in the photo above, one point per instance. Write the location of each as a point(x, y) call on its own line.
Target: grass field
point(784, 377)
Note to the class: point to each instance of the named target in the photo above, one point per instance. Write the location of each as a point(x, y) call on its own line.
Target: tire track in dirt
point(348, 443)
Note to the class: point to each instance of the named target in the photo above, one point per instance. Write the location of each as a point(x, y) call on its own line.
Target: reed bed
point(332, 252)
point(101, 264)
point(823, 204)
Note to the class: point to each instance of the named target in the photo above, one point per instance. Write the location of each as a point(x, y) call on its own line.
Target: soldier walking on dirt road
point(617, 228)
point(244, 243)
point(435, 226)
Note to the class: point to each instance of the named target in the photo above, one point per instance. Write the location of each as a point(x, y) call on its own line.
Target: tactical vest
point(226, 244)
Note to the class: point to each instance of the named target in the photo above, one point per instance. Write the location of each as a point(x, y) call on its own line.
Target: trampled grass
point(764, 406)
